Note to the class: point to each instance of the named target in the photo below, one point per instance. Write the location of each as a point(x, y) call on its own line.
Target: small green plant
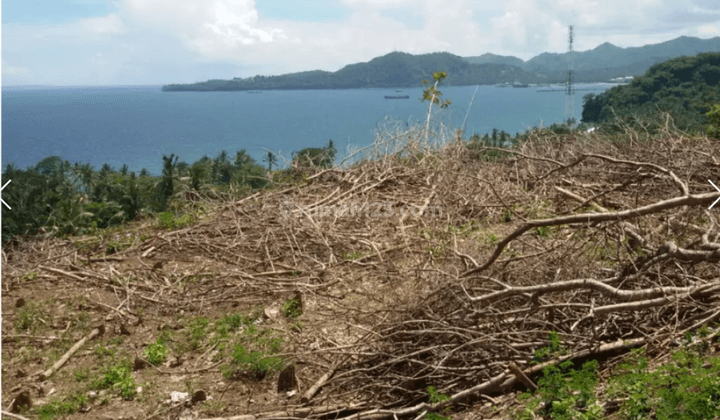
point(117, 246)
point(118, 377)
point(437, 397)
point(507, 216)
point(30, 317)
point(553, 348)
point(437, 251)
point(81, 374)
point(542, 231)
point(292, 308)
point(213, 407)
point(355, 255)
point(30, 276)
point(169, 221)
point(255, 362)
point(272, 344)
point(198, 331)
point(491, 240)
point(232, 322)
point(116, 341)
point(564, 393)
point(102, 352)
point(537, 210)
point(156, 353)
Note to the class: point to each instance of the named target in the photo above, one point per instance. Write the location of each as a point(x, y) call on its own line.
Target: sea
point(137, 125)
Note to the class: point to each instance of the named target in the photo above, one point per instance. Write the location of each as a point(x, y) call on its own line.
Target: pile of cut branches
point(626, 255)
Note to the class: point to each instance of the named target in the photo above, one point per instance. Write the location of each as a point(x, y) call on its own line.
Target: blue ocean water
point(137, 125)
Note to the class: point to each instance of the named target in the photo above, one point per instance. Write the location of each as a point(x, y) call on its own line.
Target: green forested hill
point(685, 87)
point(396, 69)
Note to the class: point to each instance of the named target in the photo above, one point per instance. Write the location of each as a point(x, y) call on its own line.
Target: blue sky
point(136, 42)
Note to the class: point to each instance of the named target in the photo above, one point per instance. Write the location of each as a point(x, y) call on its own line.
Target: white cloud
point(166, 41)
point(110, 24)
point(214, 28)
point(11, 71)
point(379, 4)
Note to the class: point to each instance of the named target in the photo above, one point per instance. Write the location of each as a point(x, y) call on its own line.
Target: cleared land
point(462, 268)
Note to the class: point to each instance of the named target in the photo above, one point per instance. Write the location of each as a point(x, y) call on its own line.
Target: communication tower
point(569, 88)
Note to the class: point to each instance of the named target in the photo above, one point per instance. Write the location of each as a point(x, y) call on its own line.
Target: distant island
point(398, 69)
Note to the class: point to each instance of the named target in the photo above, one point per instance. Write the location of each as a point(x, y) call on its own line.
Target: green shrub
point(170, 221)
point(156, 353)
point(256, 362)
point(118, 377)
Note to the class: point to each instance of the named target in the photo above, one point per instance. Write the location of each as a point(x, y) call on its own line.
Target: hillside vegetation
point(684, 87)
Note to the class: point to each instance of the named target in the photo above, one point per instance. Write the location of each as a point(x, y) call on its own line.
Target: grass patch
point(255, 362)
point(254, 352)
point(58, 407)
point(31, 318)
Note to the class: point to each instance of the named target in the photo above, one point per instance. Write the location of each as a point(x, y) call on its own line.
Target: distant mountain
point(400, 69)
point(396, 69)
point(606, 60)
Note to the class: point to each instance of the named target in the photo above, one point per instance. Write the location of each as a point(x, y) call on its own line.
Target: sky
point(155, 42)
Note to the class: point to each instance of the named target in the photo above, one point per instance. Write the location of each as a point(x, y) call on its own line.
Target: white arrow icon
point(716, 201)
point(6, 204)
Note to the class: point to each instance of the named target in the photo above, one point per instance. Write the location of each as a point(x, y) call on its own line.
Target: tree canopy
point(684, 87)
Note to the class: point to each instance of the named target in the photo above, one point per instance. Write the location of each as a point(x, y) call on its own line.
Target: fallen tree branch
point(619, 294)
point(689, 200)
point(310, 393)
point(41, 376)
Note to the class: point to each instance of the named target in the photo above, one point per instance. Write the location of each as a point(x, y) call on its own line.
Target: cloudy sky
point(136, 42)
